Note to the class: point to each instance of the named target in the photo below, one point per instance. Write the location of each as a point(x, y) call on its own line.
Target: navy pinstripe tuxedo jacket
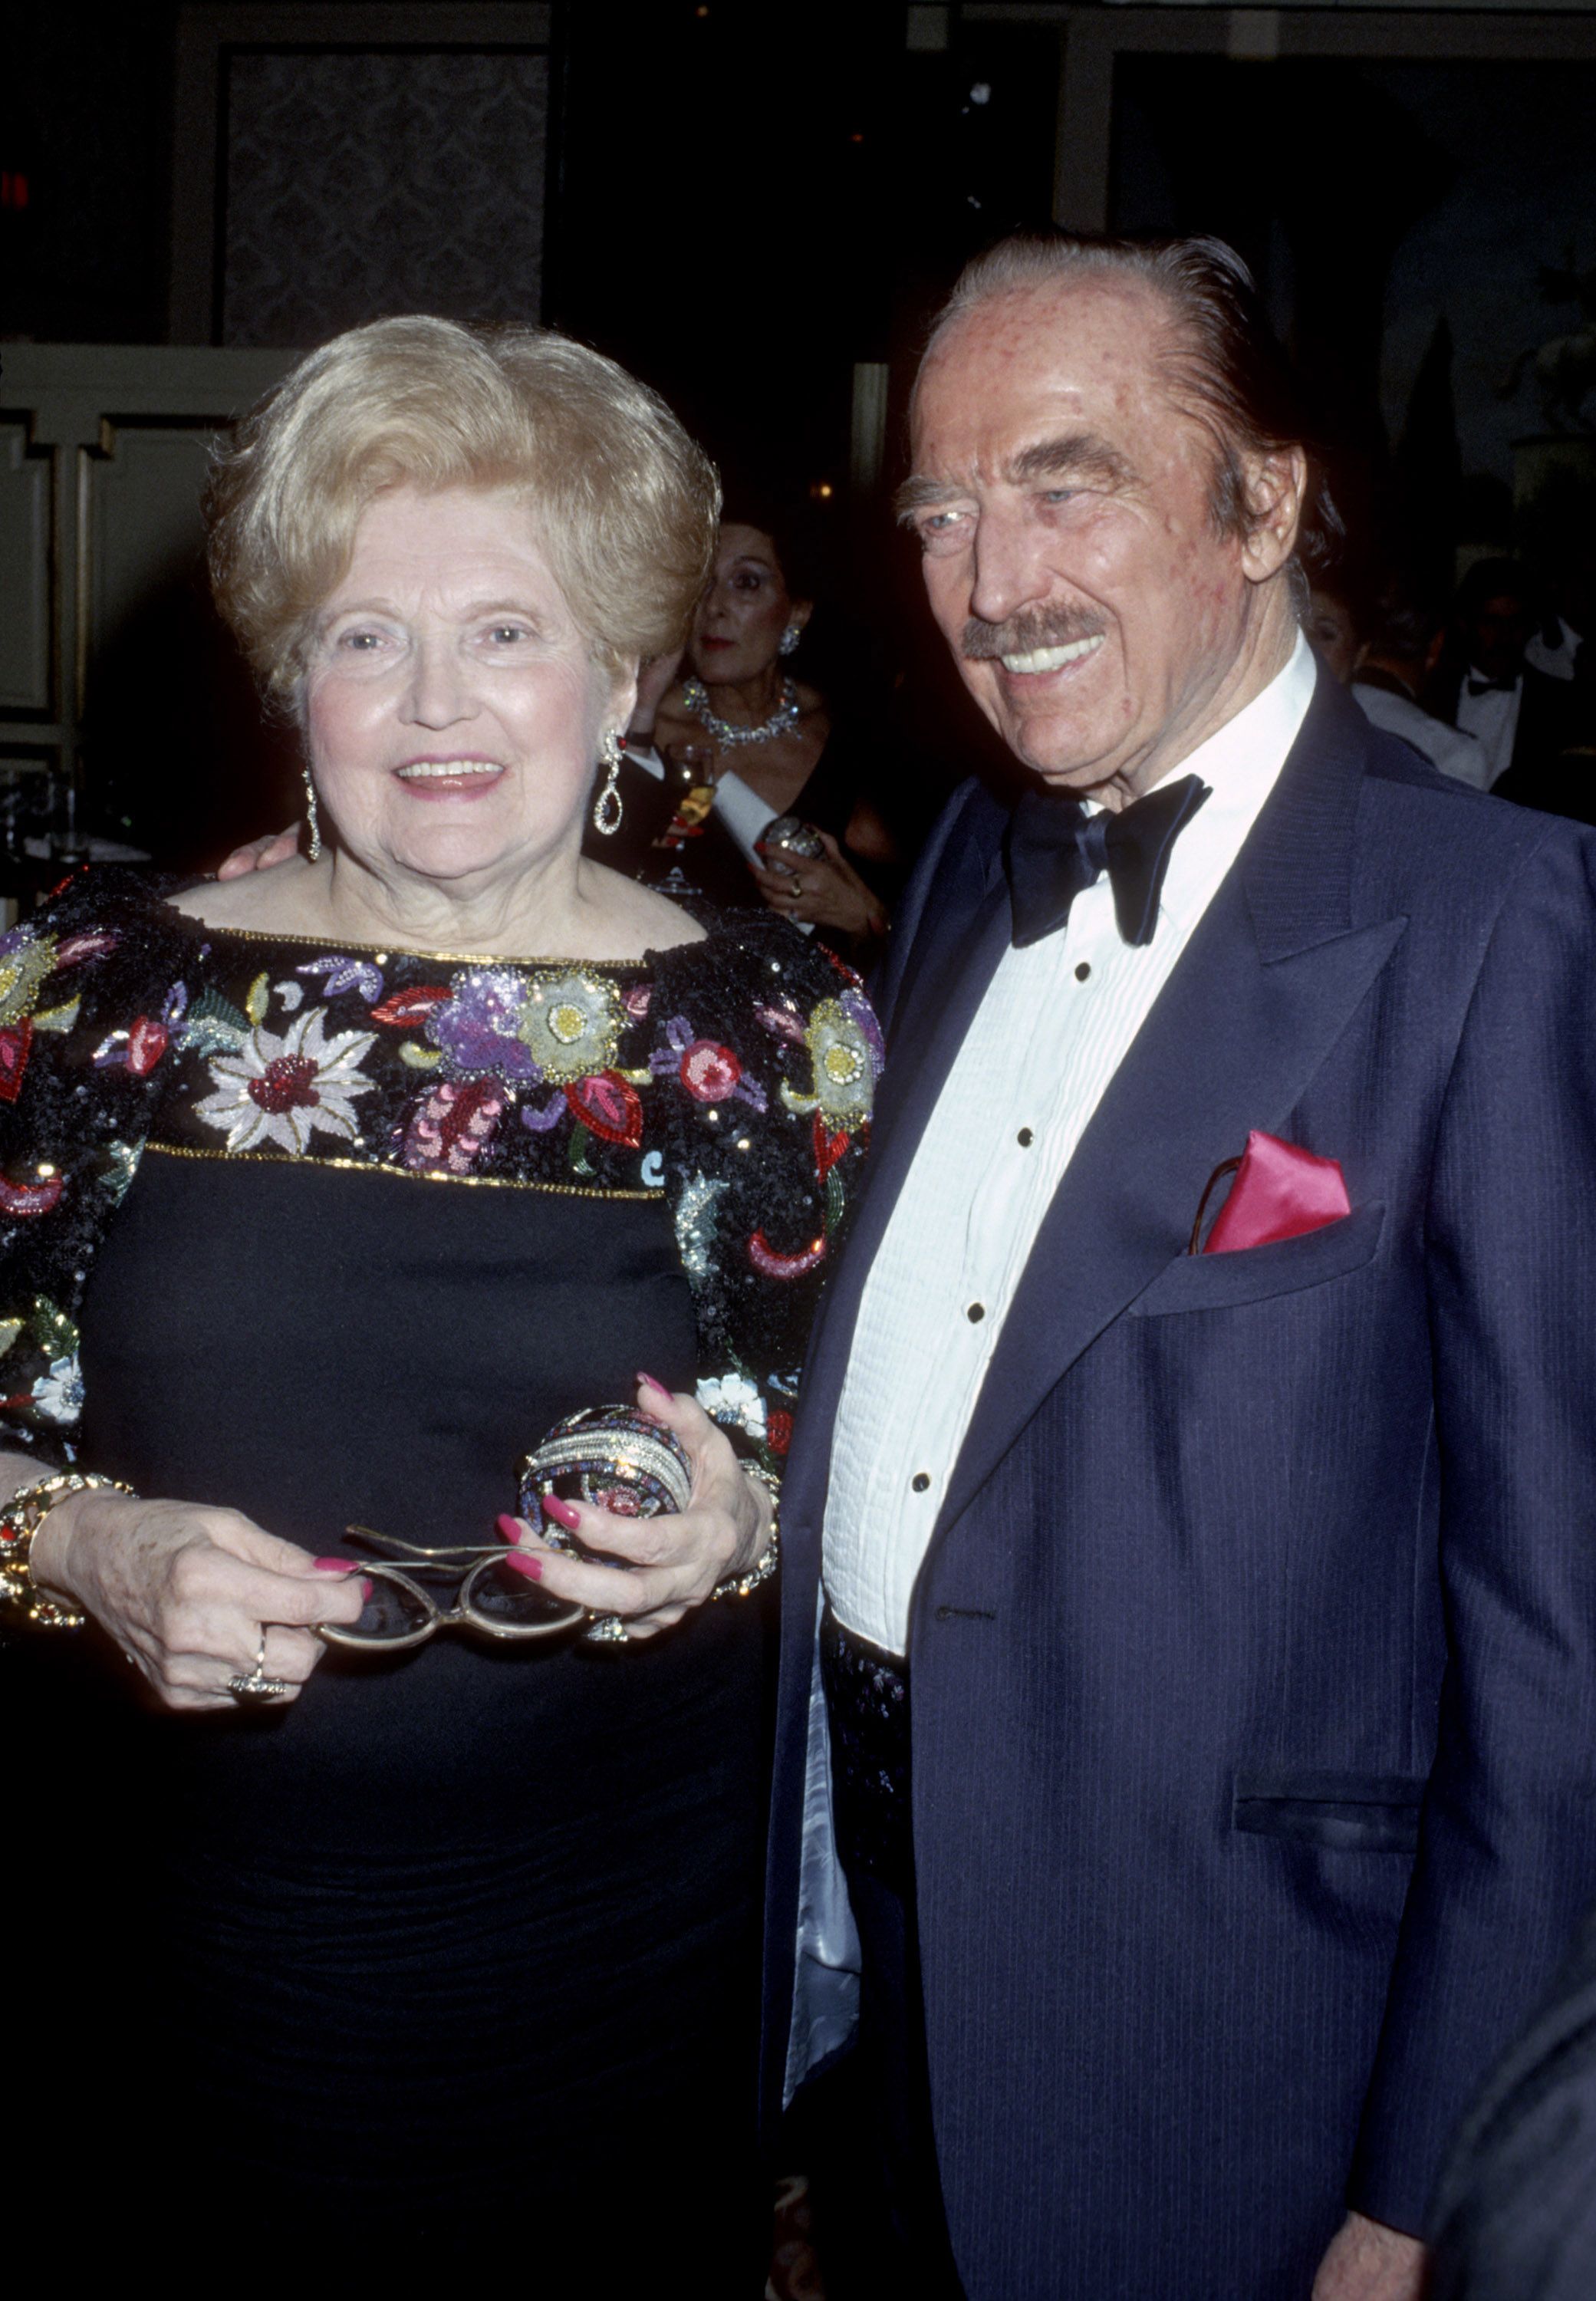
point(1253, 1696)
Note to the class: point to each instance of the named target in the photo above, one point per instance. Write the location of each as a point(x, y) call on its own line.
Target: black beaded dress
point(464, 1942)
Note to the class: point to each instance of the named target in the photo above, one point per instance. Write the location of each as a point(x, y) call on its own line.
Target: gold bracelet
point(743, 1585)
point(20, 1522)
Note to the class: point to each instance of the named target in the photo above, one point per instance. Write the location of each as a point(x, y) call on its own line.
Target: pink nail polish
point(649, 1383)
point(335, 1565)
point(562, 1512)
point(510, 1527)
point(525, 1563)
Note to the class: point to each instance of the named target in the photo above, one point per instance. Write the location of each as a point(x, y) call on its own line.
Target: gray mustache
point(1023, 634)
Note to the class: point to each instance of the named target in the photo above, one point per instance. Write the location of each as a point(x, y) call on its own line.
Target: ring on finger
point(256, 1686)
point(606, 1631)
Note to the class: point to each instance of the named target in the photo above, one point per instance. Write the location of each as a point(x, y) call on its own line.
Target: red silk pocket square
point(1280, 1191)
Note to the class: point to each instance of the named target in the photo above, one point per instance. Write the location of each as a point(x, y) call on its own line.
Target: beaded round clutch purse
point(614, 1456)
point(792, 832)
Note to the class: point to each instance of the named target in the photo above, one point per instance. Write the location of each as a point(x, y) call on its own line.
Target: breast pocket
point(1219, 1281)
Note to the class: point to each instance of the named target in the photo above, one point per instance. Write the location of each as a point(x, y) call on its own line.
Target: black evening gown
point(459, 1950)
point(481, 1918)
point(588, 1820)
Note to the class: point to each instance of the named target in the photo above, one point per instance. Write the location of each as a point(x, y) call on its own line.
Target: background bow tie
point(1478, 686)
point(1055, 850)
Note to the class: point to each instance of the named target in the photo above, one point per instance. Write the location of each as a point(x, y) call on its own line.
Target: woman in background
point(752, 745)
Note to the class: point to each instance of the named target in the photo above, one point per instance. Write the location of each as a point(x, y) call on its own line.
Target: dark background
point(744, 199)
point(743, 202)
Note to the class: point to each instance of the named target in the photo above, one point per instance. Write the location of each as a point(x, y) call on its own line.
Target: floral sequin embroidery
point(56, 1394)
point(844, 1041)
point(698, 1223)
point(453, 1127)
point(710, 1072)
point(686, 1076)
point(339, 971)
point(476, 1028)
point(734, 1402)
point(39, 1197)
point(140, 1047)
point(27, 960)
point(526, 1028)
point(571, 1026)
point(283, 1089)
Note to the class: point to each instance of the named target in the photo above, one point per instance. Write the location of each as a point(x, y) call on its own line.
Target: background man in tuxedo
point(1401, 636)
point(1206, 1651)
point(1527, 721)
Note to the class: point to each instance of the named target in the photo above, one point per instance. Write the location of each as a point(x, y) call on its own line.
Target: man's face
point(1062, 501)
point(1498, 634)
point(1331, 628)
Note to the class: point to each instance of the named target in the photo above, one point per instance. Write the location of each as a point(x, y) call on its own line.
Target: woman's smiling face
point(453, 708)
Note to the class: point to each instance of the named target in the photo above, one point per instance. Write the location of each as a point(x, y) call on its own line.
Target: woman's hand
point(187, 1591)
point(823, 889)
point(261, 854)
point(680, 1556)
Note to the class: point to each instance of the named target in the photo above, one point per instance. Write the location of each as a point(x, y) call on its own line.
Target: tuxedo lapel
point(1257, 1000)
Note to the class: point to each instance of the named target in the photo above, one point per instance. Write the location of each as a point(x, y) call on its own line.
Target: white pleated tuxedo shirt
point(1493, 720)
point(1056, 1022)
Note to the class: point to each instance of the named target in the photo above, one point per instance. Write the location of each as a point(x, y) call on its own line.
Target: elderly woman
point(752, 747)
point(457, 1916)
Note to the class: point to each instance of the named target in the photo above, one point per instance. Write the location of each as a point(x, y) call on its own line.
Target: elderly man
point(1206, 1584)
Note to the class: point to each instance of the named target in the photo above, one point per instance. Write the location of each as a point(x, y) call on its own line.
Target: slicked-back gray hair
point(1224, 364)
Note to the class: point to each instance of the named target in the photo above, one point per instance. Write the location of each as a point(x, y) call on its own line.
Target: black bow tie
point(1478, 686)
point(1055, 850)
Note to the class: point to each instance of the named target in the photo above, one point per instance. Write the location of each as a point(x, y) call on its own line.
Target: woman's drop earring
point(607, 807)
point(311, 818)
point(788, 642)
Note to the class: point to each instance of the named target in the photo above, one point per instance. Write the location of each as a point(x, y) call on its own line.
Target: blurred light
point(981, 93)
point(857, 138)
point(823, 489)
point(13, 189)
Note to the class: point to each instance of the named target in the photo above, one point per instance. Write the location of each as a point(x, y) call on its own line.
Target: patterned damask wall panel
point(24, 576)
point(361, 184)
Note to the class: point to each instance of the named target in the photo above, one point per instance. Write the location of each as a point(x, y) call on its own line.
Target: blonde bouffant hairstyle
point(625, 505)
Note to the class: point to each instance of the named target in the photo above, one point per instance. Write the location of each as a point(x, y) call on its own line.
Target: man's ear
point(1276, 483)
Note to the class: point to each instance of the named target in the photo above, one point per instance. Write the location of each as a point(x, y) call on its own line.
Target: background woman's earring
point(607, 807)
point(313, 819)
point(788, 642)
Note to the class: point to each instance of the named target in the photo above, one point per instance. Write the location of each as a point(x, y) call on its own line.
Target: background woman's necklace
point(783, 720)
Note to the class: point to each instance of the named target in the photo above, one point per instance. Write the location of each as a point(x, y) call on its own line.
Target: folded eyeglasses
point(490, 1597)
